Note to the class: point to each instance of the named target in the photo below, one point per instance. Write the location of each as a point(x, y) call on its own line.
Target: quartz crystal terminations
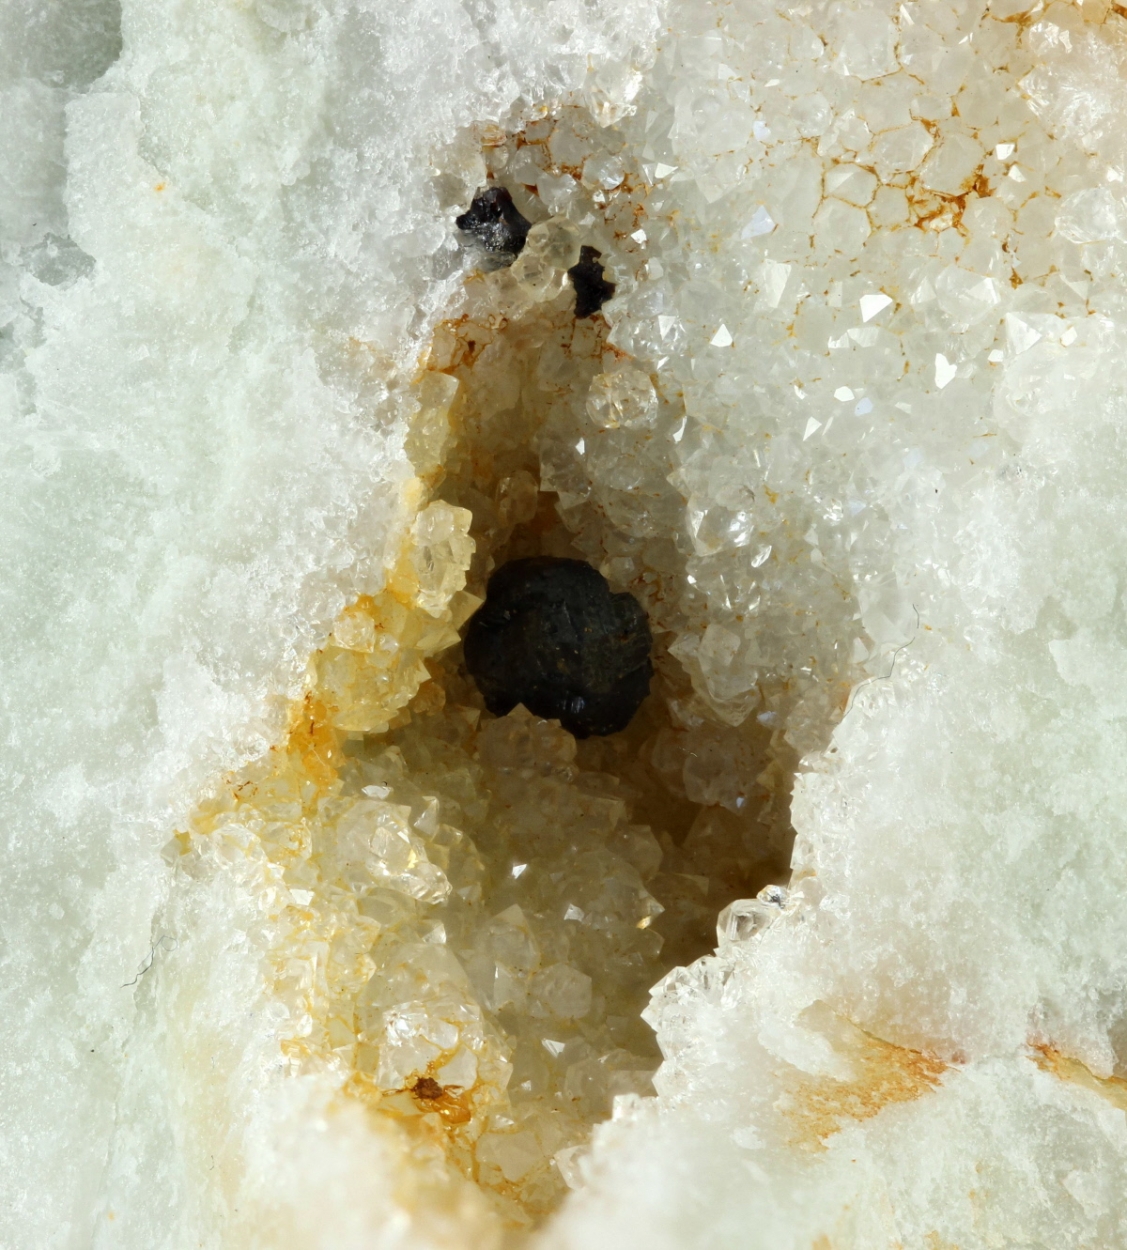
point(552, 636)
point(496, 222)
point(864, 360)
point(592, 290)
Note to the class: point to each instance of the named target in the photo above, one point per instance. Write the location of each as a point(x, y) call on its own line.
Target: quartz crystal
point(800, 326)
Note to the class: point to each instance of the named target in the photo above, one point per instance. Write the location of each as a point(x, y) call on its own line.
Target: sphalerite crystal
point(592, 290)
point(496, 222)
point(552, 635)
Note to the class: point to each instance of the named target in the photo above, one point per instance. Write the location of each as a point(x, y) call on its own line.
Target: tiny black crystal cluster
point(592, 290)
point(501, 229)
point(496, 222)
point(552, 635)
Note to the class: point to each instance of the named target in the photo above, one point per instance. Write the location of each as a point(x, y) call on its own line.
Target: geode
point(553, 636)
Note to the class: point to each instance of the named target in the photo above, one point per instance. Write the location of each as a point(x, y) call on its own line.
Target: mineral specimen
point(552, 636)
point(496, 222)
point(592, 290)
point(851, 429)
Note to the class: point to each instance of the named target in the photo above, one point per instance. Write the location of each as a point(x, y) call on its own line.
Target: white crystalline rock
point(1090, 216)
point(924, 1045)
point(226, 237)
point(873, 304)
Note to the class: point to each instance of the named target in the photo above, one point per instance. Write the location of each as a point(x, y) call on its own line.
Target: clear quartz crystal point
point(624, 398)
point(550, 250)
point(743, 919)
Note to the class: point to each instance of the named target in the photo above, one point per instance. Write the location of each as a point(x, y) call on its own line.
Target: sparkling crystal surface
point(303, 948)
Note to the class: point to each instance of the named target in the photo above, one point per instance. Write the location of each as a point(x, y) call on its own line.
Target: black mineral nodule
point(592, 290)
point(496, 222)
point(552, 636)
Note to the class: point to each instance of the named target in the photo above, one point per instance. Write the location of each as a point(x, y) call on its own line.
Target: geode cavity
point(552, 635)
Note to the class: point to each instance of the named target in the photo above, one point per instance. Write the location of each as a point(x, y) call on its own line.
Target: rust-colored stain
point(1049, 1059)
point(427, 1094)
point(940, 210)
point(430, 1095)
point(842, 690)
point(458, 342)
point(313, 742)
point(885, 1074)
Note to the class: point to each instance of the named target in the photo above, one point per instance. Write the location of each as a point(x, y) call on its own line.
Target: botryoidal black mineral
point(496, 222)
point(552, 635)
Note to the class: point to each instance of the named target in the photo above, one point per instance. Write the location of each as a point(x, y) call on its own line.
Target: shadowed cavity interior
point(480, 905)
point(582, 870)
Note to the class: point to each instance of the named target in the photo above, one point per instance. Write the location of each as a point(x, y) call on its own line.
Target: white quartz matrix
point(870, 257)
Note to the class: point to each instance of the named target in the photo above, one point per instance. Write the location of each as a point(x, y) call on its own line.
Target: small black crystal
point(552, 636)
point(496, 222)
point(592, 290)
